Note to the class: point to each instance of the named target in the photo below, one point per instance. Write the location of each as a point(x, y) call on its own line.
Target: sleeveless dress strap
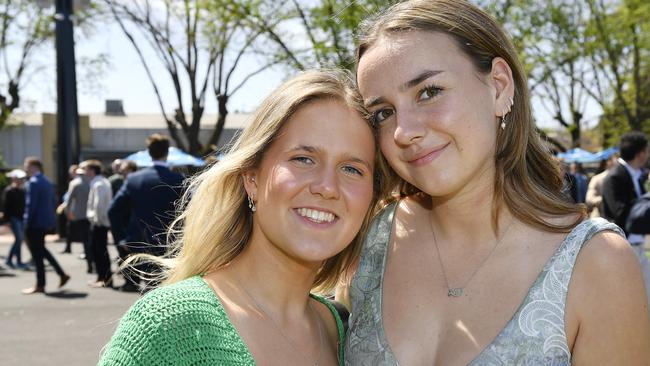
point(365, 343)
point(535, 335)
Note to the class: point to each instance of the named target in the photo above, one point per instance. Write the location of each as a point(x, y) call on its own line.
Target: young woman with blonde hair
point(276, 218)
point(482, 261)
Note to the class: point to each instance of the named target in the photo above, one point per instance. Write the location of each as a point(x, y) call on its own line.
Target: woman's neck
point(273, 280)
point(467, 215)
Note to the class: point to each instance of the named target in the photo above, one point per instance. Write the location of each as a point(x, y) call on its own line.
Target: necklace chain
point(459, 291)
point(261, 309)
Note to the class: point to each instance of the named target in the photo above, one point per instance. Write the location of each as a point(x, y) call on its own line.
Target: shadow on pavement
point(7, 274)
point(64, 294)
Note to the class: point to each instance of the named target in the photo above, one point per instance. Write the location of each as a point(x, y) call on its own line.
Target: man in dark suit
point(624, 183)
point(623, 186)
point(39, 218)
point(147, 197)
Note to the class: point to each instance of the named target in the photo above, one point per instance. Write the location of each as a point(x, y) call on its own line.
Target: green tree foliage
point(307, 34)
point(619, 48)
point(24, 27)
point(582, 53)
point(27, 27)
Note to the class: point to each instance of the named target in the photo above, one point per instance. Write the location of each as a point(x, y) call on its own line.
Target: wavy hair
point(214, 225)
point(527, 180)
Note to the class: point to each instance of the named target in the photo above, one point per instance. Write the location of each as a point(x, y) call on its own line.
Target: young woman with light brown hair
point(276, 218)
point(481, 261)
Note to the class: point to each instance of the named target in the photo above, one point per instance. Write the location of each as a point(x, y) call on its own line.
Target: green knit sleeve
point(180, 324)
point(140, 339)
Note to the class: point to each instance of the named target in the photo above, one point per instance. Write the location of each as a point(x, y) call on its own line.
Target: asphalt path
point(67, 326)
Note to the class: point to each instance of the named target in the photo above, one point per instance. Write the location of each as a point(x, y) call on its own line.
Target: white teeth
point(314, 215)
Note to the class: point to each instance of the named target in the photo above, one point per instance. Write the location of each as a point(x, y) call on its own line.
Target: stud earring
point(251, 204)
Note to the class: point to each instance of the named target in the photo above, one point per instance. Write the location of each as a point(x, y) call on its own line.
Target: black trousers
point(79, 231)
point(36, 244)
point(99, 242)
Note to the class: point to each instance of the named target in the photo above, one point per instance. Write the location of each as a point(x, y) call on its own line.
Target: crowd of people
point(418, 191)
point(617, 192)
point(136, 211)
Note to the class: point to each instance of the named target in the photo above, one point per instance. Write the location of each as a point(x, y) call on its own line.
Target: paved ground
point(63, 327)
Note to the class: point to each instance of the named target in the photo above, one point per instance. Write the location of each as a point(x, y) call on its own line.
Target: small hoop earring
point(251, 204)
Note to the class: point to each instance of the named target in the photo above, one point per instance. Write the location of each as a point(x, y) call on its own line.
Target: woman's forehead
point(397, 58)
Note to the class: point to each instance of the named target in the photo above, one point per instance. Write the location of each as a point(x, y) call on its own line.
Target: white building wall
point(110, 137)
point(18, 142)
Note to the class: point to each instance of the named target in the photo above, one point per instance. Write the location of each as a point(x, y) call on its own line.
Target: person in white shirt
point(99, 200)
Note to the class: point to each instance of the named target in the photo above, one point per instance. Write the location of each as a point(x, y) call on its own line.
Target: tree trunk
point(195, 128)
point(7, 109)
point(575, 128)
point(222, 102)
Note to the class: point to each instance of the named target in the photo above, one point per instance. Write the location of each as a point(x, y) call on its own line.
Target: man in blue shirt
point(39, 218)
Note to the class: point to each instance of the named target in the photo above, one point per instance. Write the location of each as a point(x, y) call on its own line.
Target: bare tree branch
point(170, 125)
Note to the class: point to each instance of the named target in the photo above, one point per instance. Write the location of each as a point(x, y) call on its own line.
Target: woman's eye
point(352, 170)
point(379, 116)
point(303, 160)
point(429, 92)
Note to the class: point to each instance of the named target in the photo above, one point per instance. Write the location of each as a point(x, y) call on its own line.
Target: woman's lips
point(425, 157)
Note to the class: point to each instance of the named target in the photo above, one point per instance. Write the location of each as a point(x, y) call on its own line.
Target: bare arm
point(607, 300)
point(594, 194)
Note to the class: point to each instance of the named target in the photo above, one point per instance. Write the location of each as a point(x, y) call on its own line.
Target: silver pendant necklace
point(460, 291)
point(261, 309)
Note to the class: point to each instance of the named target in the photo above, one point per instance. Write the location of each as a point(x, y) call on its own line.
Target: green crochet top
point(183, 324)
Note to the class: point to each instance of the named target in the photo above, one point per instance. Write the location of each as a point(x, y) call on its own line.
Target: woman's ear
point(504, 85)
point(250, 183)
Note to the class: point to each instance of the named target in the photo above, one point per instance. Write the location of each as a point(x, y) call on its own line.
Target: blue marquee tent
point(579, 155)
point(605, 154)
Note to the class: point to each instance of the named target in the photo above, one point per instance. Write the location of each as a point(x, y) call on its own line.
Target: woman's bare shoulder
point(607, 301)
point(609, 253)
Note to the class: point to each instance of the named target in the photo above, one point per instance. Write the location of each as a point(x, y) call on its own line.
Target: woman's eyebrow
point(307, 148)
point(424, 75)
point(373, 101)
point(419, 78)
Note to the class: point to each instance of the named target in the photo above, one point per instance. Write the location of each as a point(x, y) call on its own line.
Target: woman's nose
point(326, 184)
point(410, 127)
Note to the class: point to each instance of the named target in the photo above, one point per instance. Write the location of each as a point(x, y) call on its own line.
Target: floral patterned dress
point(534, 335)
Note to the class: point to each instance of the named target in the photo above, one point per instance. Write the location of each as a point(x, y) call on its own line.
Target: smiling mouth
point(316, 215)
point(427, 157)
